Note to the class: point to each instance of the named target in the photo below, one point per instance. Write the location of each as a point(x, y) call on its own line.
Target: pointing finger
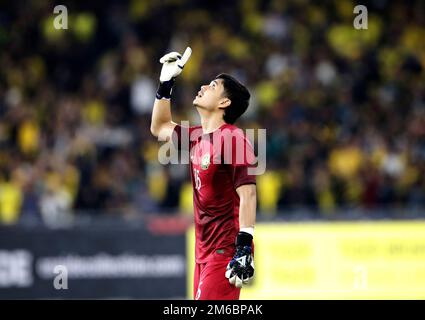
point(186, 56)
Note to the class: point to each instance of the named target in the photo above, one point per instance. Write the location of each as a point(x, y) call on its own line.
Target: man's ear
point(224, 103)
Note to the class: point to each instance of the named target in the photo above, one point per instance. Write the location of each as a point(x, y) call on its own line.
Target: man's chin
point(196, 103)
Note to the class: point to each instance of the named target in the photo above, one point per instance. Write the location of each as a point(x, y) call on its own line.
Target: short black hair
point(239, 96)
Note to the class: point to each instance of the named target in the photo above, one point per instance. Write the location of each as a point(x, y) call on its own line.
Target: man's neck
point(211, 122)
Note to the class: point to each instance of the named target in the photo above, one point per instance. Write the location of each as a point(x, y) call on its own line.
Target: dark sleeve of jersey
point(182, 136)
point(241, 174)
point(178, 137)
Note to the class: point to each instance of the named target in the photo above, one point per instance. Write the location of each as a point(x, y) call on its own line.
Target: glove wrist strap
point(165, 89)
point(244, 239)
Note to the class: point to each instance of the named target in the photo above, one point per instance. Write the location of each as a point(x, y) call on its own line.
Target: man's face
point(211, 97)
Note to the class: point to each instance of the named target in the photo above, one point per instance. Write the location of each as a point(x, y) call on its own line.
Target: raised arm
point(162, 125)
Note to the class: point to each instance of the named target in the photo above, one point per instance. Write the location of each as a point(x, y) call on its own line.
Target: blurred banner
point(91, 262)
point(337, 260)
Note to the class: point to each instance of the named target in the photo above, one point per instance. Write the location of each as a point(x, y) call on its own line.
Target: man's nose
point(204, 87)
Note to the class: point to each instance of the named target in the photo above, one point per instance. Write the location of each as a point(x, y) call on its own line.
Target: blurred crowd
point(344, 109)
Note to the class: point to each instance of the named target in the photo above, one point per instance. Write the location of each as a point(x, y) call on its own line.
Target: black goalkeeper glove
point(240, 269)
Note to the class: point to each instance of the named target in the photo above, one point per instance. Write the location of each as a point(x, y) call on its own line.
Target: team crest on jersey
point(205, 163)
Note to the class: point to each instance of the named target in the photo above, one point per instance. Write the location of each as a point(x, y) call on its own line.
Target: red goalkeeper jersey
point(219, 163)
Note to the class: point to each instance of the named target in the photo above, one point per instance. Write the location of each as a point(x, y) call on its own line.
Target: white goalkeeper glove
point(172, 65)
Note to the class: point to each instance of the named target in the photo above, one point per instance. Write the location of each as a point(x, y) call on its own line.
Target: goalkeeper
point(224, 193)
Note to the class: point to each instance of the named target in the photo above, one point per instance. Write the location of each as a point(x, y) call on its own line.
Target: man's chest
point(208, 172)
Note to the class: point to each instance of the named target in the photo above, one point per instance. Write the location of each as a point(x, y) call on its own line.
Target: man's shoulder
point(228, 126)
point(195, 132)
point(191, 130)
point(230, 131)
point(195, 127)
